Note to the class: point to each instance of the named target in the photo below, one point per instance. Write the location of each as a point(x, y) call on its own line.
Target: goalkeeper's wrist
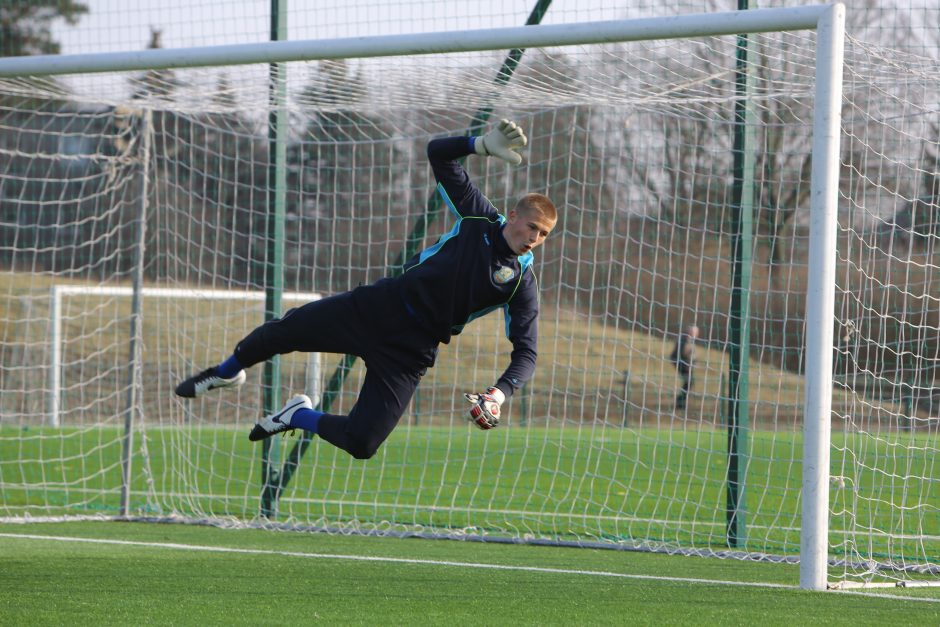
point(497, 394)
point(478, 146)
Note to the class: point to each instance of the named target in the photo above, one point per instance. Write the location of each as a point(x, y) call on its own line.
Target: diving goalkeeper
point(396, 324)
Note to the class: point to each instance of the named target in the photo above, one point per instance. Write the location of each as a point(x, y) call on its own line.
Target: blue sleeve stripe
point(479, 314)
point(428, 252)
point(447, 200)
point(525, 262)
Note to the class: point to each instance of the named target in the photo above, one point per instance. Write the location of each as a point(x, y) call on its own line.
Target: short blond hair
point(539, 203)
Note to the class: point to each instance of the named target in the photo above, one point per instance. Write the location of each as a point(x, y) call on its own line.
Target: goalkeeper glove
point(502, 142)
point(485, 410)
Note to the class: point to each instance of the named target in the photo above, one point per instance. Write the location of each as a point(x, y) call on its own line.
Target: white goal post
point(826, 20)
point(822, 18)
point(60, 292)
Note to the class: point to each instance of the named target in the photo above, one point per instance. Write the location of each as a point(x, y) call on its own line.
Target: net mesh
point(633, 143)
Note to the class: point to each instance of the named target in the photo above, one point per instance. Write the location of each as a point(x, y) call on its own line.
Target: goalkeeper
point(396, 324)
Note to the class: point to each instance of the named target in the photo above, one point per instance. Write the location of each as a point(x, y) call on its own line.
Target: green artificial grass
point(290, 578)
point(623, 487)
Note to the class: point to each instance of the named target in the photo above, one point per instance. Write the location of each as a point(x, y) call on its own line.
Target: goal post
point(820, 300)
point(60, 292)
point(535, 36)
point(631, 137)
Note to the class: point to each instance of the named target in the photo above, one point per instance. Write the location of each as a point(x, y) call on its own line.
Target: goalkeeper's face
point(526, 230)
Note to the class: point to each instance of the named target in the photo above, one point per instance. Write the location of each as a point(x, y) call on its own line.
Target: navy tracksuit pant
point(370, 322)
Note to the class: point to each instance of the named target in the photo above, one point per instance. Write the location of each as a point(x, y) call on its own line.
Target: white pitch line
point(423, 562)
point(395, 560)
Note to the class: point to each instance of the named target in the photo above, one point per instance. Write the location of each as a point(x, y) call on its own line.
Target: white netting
point(634, 143)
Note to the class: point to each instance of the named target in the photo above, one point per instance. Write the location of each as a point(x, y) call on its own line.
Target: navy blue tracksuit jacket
point(396, 324)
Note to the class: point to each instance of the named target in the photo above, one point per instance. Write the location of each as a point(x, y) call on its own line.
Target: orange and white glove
point(485, 411)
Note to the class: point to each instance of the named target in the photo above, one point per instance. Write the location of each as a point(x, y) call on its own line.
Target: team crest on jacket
point(503, 275)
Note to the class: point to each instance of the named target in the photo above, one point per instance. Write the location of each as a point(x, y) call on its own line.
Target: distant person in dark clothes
point(683, 356)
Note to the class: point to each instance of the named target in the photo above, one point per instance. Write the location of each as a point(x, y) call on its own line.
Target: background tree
point(346, 186)
point(25, 29)
point(209, 180)
point(578, 181)
point(26, 25)
point(155, 82)
point(55, 207)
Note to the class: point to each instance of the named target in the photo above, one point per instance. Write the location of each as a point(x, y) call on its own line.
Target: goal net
point(113, 184)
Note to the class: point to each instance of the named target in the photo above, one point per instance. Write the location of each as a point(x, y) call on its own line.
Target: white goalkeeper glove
point(485, 410)
point(502, 142)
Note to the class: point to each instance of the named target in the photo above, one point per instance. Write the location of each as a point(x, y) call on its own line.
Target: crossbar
point(542, 35)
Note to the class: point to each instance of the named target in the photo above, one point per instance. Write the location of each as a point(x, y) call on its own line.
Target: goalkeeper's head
point(529, 223)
